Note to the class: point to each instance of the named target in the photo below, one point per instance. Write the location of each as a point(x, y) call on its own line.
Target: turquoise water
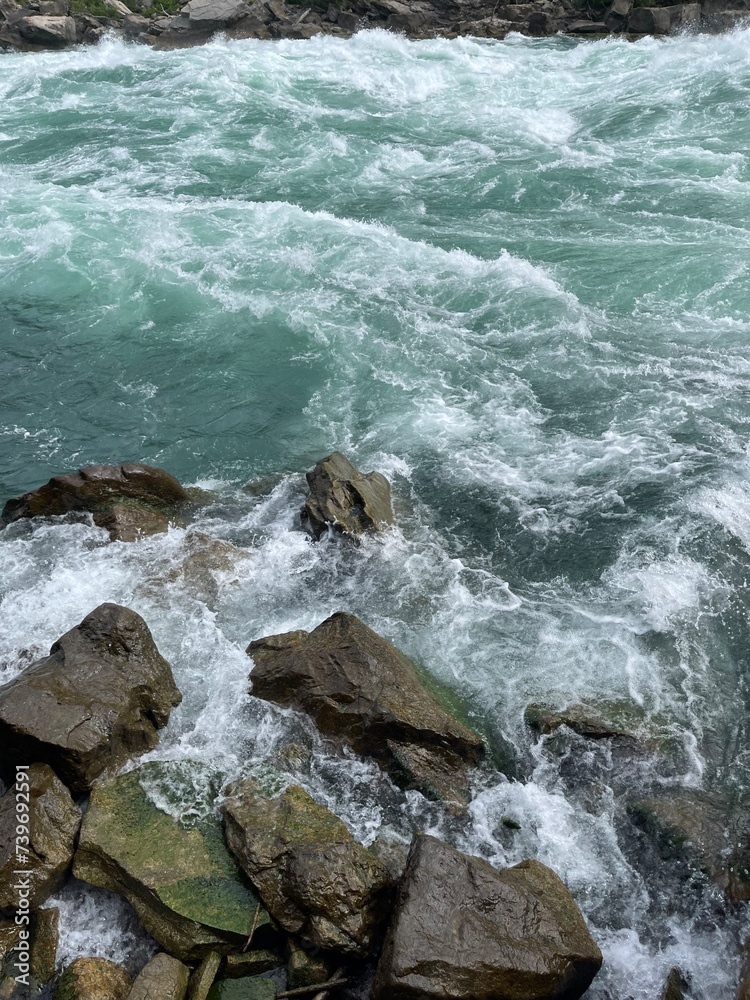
point(512, 276)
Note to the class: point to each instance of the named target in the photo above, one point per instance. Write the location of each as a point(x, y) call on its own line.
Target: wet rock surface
point(96, 701)
point(98, 487)
point(54, 25)
point(702, 831)
point(346, 499)
point(93, 979)
point(313, 877)
point(359, 687)
point(180, 879)
point(463, 929)
point(53, 824)
point(163, 978)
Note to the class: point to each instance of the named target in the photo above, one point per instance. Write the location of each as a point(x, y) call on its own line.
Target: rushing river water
point(513, 276)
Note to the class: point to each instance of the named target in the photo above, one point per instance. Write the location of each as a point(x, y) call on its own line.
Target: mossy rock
point(180, 878)
point(243, 989)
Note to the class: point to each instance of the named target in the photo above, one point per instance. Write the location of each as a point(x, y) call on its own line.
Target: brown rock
point(315, 880)
point(97, 700)
point(359, 687)
point(130, 522)
point(163, 978)
point(45, 937)
point(677, 987)
point(93, 979)
point(305, 966)
point(203, 978)
point(250, 963)
point(97, 487)
point(346, 499)
point(53, 823)
point(463, 929)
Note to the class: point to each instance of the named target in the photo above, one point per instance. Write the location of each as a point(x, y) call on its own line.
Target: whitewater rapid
point(513, 277)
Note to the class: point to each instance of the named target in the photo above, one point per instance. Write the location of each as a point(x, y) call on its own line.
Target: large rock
point(215, 13)
point(359, 687)
point(163, 978)
point(702, 830)
point(181, 880)
point(96, 701)
point(53, 822)
point(51, 32)
point(649, 21)
point(129, 500)
point(462, 929)
point(344, 498)
point(313, 877)
point(93, 979)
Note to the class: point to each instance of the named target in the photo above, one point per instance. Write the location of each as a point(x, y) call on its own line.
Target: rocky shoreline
point(170, 24)
point(267, 895)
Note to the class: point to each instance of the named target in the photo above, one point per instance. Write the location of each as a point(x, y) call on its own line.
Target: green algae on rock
point(181, 880)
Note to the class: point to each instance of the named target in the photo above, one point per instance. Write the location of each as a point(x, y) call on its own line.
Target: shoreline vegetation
point(266, 894)
point(173, 24)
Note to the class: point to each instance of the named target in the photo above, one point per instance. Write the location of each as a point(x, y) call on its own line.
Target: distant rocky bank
point(170, 24)
point(268, 895)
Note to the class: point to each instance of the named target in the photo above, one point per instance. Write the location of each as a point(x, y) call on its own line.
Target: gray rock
point(463, 929)
point(313, 877)
point(346, 499)
point(51, 32)
point(96, 701)
point(684, 15)
point(359, 687)
point(617, 14)
point(649, 21)
point(215, 13)
point(348, 21)
point(163, 978)
point(54, 820)
point(120, 523)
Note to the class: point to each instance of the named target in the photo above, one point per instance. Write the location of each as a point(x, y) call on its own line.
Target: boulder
point(245, 989)
point(702, 830)
point(313, 877)
point(181, 880)
point(305, 964)
point(53, 823)
point(163, 978)
point(127, 522)
point(45, 937)
point(215, 13)
point(649, 21)
point(96, 701)
point(617, 14)
point(346, 499)
point(360, 688)
point(93, 979)
point(684, 15)
point(100, 488)
point(250, 963)
point(463, 929)
point(203, 978)
point(51, 32)
point(676, 986)
point(544, 720)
